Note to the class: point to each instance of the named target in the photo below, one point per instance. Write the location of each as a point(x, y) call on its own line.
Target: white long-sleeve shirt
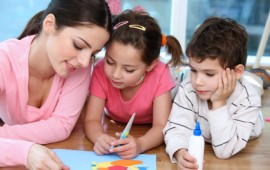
point(228, 128)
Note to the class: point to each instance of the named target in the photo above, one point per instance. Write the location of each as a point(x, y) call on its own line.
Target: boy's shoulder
point(247, 92)
point(184, 86)
point(252, 83)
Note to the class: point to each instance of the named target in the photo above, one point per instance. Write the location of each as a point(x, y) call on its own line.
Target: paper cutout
point(88, 160)
point(119, 165)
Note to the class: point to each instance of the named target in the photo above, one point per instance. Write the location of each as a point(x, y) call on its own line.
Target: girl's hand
point(185, 161)
point(103, 144)
point(126, 148)
point(40, 157)
point(227, 83)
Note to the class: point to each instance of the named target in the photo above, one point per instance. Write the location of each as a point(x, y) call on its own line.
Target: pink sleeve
point(63, 116)
point(166, 82)
point(15, 152)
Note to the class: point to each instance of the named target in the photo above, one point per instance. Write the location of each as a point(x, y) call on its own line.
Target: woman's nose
point(84, 60)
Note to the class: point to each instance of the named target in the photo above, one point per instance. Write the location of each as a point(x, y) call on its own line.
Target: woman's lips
point(70, 67)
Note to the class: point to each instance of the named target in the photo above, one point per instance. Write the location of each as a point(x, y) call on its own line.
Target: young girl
point(44, 78)
point(129, 79)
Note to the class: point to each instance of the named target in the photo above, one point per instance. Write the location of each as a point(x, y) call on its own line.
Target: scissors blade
point(128, 127)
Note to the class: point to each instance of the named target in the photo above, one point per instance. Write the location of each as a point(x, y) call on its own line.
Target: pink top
point(157, 82)
point(52, 122)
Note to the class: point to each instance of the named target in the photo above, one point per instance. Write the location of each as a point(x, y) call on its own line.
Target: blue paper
point(88, 160)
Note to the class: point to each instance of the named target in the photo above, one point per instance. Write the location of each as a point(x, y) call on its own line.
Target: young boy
point(227, 105)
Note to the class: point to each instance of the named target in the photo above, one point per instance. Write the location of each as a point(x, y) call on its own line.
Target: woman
point(44, 78)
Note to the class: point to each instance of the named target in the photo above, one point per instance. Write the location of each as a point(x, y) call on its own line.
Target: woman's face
point(71, 48)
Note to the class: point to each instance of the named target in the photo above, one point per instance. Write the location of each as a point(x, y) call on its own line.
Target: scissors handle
point(124, 134)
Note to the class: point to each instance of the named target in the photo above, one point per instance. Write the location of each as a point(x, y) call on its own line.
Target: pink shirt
point(25, 124)
point(157, 82)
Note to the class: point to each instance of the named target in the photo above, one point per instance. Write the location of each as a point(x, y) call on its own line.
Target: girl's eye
point(109, 62)
point(129, 71)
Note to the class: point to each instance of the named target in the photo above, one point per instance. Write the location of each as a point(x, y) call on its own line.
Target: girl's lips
point(116, 83)
point(70, 67)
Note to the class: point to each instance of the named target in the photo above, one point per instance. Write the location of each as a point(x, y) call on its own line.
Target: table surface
point(256, 155)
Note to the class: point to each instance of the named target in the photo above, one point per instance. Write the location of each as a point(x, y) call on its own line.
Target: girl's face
point(123, 65)
point(72, 47)
point(205, 77)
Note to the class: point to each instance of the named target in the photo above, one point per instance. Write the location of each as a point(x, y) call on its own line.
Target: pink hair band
point(119, 24)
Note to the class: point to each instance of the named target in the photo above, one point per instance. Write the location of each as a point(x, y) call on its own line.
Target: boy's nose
point(199, 80)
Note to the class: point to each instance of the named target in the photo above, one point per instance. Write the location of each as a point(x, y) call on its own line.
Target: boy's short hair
point(219, 38)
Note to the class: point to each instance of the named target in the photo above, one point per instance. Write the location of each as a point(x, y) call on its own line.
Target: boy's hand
point(184, 160)
point(126, 148)
point(226, 87)
point(103, 144)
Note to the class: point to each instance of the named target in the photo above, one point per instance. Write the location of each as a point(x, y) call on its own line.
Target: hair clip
point(136, 26)
point(120, 24)
point(163, 39)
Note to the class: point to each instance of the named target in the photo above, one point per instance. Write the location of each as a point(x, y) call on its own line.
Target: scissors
point(125, 133)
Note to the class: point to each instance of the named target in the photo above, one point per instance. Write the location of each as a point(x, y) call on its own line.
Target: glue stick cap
point(197, 131)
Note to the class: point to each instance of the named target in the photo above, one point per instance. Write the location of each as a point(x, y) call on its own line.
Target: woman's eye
point(77, 46)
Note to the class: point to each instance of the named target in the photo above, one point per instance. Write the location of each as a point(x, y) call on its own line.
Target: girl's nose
point(116, 73)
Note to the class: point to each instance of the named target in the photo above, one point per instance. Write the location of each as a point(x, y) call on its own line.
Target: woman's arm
point(61, 115)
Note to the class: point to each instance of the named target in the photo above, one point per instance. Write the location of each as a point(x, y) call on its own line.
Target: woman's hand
point(42, 158)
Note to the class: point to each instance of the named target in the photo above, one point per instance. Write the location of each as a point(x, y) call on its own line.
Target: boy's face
point(205, 76)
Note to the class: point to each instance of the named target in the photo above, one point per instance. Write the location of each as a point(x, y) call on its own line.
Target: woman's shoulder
point(9, 44)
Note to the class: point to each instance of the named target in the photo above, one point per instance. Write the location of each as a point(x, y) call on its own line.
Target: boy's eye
point(192, 70)
point(209, 75)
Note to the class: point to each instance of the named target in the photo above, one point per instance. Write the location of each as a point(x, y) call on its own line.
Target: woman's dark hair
point(220, 38)
point(71, 13)
point(149, 40)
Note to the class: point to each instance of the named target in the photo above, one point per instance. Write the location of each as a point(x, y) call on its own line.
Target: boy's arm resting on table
point(230, 133)
point(180, 124)
point(61, 122)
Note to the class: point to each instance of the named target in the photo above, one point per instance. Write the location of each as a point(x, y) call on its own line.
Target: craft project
point(88, 160)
